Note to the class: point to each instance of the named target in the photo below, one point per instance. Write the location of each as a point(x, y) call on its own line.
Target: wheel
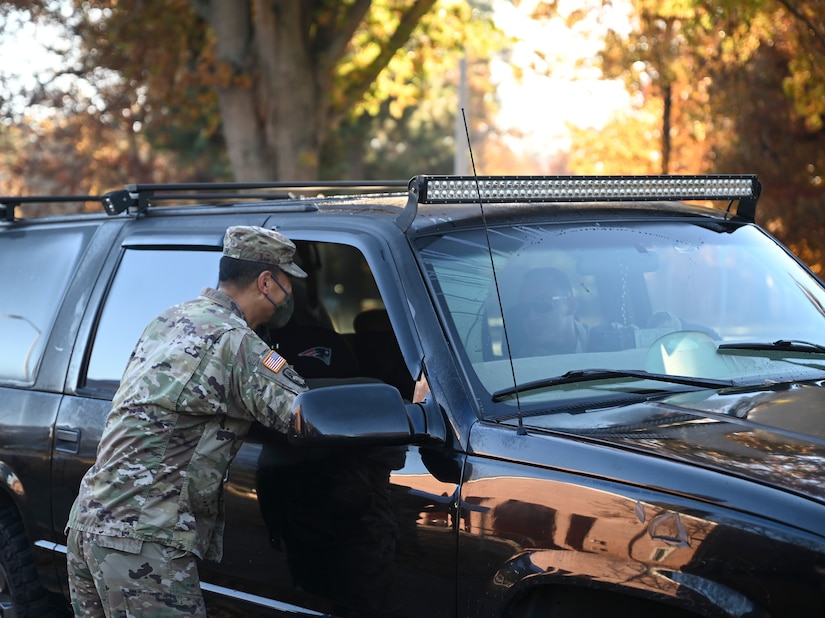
point(21, 594)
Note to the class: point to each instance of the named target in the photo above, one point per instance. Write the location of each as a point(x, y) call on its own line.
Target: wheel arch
point(12, 490)
point(680, 595)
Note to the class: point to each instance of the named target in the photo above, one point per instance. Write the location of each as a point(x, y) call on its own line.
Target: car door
point(143, 275)
point(364, 530)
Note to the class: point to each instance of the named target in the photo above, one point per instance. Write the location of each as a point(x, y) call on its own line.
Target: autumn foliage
point(732, 86)
point(188, 90)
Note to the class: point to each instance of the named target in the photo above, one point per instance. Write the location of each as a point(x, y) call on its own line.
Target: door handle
point(67, 440)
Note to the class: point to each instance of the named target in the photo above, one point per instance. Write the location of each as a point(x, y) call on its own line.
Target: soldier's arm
point(266, 384)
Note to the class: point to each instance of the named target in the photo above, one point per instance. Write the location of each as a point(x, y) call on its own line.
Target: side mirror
point(352, 414)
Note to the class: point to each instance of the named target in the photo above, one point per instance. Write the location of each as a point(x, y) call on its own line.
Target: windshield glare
point(657, 297)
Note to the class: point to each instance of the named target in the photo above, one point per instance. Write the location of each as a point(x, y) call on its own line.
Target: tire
point(21, 594)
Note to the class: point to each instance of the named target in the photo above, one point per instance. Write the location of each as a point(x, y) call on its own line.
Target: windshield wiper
point(590, 375)
point(781, 345)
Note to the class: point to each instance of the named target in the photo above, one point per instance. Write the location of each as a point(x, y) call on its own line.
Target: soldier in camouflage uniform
point(199, 376)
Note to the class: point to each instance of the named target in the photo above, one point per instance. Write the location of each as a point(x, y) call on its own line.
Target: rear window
point(37, 267)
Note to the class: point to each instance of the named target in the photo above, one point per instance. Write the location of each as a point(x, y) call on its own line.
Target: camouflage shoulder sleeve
point(266, 384)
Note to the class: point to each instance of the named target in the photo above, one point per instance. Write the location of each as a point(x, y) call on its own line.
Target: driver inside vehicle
point(546, 321)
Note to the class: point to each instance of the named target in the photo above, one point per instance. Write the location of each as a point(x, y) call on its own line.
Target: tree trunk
point(268, 89)
point(667, 95)
point(276, 68)
point(292, 104)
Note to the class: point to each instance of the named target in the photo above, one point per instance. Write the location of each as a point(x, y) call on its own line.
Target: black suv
point(668, 462)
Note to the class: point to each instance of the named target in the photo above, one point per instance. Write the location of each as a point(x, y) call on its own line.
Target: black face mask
point(283, 311)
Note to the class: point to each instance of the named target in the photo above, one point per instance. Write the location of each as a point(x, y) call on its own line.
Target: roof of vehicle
point(430, 202)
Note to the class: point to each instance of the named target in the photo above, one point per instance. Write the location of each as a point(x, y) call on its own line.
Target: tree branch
point(818, 35)
point(202, 8)
point(360, 81)
point(337, 33)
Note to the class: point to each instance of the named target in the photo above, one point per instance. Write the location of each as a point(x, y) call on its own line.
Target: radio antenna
point(521, 431)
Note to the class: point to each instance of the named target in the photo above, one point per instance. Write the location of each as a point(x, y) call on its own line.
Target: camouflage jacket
point(196, 380)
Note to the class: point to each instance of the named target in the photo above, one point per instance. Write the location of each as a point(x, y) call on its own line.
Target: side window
point(346, 285)
point(38, 266)
point(340, 328)
point(147, 282)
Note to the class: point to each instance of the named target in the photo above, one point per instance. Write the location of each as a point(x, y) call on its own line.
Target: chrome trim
point(258, 600)
point(215, 589)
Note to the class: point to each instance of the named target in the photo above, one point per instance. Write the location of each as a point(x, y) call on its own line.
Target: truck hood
point(774, 436)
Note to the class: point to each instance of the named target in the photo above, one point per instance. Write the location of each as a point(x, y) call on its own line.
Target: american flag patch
point(274, 361)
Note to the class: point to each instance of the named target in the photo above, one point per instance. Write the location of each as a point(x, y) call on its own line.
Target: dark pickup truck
point(669, 462)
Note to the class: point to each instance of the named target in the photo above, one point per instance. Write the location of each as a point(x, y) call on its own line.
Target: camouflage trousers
point(154, 581)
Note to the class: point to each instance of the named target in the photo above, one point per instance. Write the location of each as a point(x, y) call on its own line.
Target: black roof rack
point(138, 197)
point(9, 203)
point(742, 188)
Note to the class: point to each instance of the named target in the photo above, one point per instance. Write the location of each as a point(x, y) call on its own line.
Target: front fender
point(532, 570)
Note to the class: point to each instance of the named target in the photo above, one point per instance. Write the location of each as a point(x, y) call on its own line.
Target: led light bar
point(497, 189)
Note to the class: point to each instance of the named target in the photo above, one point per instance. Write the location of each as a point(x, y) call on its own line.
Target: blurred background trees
point(729, 86)
point(250, 90)
point(188, 90)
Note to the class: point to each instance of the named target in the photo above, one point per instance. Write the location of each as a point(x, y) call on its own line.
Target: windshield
point(595, 314)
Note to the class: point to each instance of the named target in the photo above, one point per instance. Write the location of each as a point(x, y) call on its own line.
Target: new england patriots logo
point(321, 353)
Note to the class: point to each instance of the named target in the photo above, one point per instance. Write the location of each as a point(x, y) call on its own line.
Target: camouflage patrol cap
point(258, 244)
